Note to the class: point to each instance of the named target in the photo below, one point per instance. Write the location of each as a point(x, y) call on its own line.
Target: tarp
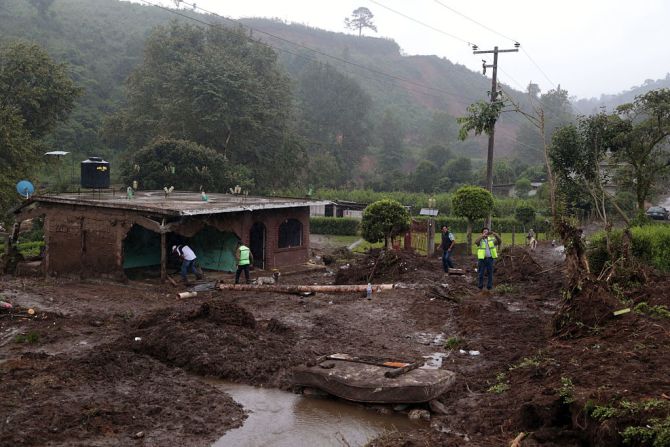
point(141, 248)
point(214, 249)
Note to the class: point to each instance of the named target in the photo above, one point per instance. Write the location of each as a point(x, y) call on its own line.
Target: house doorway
point(257, 244)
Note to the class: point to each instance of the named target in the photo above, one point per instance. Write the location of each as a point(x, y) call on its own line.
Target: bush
point(384, 220)
point(341, 226)
point(649, 245)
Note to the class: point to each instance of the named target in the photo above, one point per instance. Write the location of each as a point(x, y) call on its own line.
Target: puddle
point(282, 419)
point(426, 338)
point(434, 361)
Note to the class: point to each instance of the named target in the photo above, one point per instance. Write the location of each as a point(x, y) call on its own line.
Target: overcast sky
point(589, 47)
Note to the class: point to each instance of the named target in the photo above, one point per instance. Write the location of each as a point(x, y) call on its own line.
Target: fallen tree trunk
point(287, 288)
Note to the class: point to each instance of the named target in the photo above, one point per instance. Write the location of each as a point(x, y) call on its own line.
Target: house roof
point(176, 204)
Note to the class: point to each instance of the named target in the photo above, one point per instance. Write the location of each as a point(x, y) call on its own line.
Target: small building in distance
point(105, 234)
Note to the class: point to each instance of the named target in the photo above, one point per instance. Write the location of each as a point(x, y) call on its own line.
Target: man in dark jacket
point(447, 245)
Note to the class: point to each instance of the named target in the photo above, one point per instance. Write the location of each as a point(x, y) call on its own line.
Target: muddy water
point(281, 419)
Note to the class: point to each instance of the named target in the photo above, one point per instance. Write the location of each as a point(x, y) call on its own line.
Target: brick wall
point(89, 241)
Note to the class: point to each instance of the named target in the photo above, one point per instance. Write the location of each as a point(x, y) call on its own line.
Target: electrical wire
point(313, 50)
point(453, 36)
point(194, 6)
point(501, 35)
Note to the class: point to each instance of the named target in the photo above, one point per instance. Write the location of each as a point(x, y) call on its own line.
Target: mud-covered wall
point(84, 240)
point(89, 241)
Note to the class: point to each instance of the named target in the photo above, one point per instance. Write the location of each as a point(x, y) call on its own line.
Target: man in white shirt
point(188, 261)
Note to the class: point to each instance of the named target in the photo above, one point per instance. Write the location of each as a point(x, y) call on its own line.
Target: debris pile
point(388, 266)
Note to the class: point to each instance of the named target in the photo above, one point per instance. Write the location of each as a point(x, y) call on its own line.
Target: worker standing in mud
point(487, 253)
point(244, 259)
point(188, 258)
point(447, 245)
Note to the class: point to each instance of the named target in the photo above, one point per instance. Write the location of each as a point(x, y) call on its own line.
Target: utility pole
point(494, 96)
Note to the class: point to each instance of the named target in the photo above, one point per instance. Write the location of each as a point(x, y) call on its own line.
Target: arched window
point(290, 233)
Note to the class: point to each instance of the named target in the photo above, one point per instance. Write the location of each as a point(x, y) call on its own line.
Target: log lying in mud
point(287, 288)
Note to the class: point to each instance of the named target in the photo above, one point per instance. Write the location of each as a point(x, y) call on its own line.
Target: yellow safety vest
point(244, 255)
point(481, 251)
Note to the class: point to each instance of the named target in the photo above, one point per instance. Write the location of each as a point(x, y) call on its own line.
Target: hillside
point(610, 102)
point(435, 84)
point(102, 41)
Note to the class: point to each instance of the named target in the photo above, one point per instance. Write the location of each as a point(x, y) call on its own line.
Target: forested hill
point(610, 102)
point(102, 40)
point(434, 83)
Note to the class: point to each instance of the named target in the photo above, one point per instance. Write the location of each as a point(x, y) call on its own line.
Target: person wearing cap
point(448, 241)
point(244, 259)
point(188, 258)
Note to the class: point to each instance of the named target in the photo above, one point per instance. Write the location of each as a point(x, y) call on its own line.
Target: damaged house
point(105, 234)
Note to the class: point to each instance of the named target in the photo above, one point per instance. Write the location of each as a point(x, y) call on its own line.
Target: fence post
point(513, 235)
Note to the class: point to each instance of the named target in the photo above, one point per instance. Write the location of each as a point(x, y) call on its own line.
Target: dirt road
point(109, 364)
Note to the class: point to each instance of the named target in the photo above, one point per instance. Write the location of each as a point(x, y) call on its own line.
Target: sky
point(588, 47)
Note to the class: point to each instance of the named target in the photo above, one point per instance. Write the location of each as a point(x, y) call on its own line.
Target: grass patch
point(31, 337)
point(454, 343)
point(655, 433)
point(505, 288)
point(567, 390)
point(501, 384)
point(654, 311)
point(527, 362)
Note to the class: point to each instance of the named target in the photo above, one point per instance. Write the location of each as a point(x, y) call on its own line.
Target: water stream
point(281, 419)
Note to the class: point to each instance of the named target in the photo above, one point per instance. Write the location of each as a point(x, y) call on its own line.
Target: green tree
point(383, 220)
point(392, 145)
point(481, 118)
point(334, 116)
point(458, 171)
point(217, 88)
point(438, 154)
point(472, 202)
point(522, 187)
point(525, 214)
point(360, 18)
point(425, 177)
point(442, 129)
point(35, 95)
point(184, 165)
point(579, 156)
point(641, 143)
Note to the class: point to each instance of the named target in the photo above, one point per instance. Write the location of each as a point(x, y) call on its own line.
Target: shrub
point(649, 245)
point(384, 220)
point(341, 226)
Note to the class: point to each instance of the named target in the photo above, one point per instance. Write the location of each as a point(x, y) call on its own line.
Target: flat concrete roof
point(178, 203)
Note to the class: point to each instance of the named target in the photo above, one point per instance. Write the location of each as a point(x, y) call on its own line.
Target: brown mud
point(112, 364)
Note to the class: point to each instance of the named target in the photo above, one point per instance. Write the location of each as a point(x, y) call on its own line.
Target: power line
point(474, 21)
point(453, 36)
point(316, 51)
point(499, 34)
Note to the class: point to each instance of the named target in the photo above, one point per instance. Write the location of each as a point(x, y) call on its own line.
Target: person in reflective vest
point(487, 252)
point(244, 259)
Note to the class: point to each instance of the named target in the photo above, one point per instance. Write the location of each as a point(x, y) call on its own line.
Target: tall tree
point(217, 88)
point(36, 93)
point(360, 18)
point(184, 165)
point(642, 143)
point(334, 116)
point(391, 136)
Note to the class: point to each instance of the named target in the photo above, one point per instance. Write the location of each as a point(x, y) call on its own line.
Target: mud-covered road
point(103, 363)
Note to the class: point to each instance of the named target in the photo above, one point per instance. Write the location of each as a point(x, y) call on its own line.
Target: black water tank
point(94, 173)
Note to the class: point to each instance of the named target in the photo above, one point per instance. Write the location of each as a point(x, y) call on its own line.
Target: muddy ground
point(102, 363)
